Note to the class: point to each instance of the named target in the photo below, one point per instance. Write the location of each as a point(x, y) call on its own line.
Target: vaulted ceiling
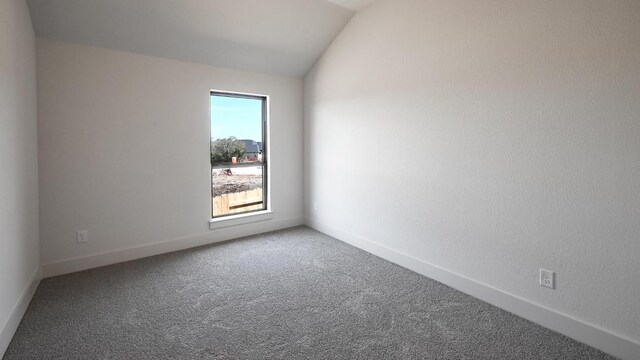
point(355, 5)
point(284, 37)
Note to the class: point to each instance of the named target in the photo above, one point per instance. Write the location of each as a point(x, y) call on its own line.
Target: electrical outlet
point(83, 236)
point(547, 278)
point(315, 206)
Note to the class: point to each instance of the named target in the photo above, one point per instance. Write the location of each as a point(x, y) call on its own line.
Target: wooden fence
point(237, 202)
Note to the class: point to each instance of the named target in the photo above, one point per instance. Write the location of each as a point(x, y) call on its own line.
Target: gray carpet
point(292, 294)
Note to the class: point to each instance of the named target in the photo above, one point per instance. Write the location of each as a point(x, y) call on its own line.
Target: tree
point(222, 150)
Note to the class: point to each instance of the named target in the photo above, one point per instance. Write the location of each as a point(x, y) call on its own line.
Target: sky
point(237, 117)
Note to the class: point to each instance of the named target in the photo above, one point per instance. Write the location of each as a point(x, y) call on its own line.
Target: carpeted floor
point(292, 294)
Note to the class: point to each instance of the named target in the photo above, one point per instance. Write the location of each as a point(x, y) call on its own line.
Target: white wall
point(124, 152)
point(19, 259)
point(490, 138)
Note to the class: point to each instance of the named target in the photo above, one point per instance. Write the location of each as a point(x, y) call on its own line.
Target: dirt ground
point(226, 184)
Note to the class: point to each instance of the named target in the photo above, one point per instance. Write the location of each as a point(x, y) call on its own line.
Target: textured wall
point(124, 147)
point(19, 259)
point(491, 138)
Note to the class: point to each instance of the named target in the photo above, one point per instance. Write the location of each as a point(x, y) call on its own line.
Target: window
point(239, 173)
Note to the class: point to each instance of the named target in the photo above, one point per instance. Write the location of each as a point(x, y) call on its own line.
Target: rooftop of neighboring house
point(252, 146)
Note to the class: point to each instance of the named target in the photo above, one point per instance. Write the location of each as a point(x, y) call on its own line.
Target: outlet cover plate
point(547, 278)
point(83, 236)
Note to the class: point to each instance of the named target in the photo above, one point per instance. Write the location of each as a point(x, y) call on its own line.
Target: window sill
point(241, 219)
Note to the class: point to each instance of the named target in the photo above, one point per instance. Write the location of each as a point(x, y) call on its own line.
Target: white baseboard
point(118, 256)
point(566, 325)
point(9, 329)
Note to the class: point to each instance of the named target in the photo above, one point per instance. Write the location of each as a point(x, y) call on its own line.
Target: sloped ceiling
point(355, 5)
point(284, 37)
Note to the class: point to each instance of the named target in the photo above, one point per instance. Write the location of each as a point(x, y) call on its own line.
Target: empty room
point(320, 179)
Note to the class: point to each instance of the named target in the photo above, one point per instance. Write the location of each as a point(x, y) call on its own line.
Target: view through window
point(238, 157)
